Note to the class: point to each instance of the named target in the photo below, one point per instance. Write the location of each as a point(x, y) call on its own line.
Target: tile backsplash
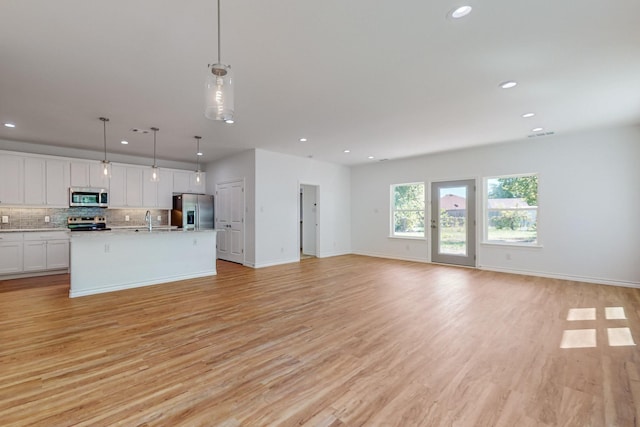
point(26, 218)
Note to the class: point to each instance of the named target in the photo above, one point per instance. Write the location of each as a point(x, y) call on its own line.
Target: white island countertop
point(106, 261)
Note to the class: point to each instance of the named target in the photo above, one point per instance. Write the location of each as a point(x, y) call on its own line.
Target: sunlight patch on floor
point(614, 313)
point(578, 338)
point(582, 314)
point(620, 337)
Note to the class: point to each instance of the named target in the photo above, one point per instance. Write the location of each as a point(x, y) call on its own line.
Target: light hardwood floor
point(344, 341)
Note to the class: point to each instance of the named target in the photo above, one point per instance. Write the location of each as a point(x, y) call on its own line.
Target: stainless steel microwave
point(88, 197)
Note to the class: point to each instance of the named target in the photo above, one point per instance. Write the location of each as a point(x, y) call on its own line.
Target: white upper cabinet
point(57, 183)
point(117, 187)
point(134, 187)
point(150, 189)
point(35, 181)
point(157, 194)
point(185, 182)
point(88, 174)
point(165, 189)
point(180, 182)
point(125, 189)
point(11, 179)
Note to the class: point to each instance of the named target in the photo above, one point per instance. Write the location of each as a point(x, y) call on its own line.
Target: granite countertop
point(30, 230)
point(138, 232)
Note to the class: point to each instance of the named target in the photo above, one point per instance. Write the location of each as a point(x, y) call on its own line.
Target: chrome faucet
point(147, 218)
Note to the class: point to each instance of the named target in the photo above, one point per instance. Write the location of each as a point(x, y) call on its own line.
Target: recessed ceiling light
point(199, 153)
point(508, 84)
point(229, 121)
point(303, 140)
point(537, 129)
point(370, 157)
point(123, 142)
point(9, 125)
point(527, 115)
point(346, 151)
point(460, 12)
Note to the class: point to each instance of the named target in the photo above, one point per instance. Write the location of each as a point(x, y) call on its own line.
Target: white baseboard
point(33, 274)
point(381, 255)
point(278, 262)
point(332, 254)
point(586, 279)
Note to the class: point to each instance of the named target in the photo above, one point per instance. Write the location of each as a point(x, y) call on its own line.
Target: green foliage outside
point(453, 234)
point(525, 187)
point(512, 220)
point(514, 225)
point(408, 219)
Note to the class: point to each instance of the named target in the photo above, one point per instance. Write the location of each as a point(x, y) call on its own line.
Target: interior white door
point(229, 212)
point(309, 219)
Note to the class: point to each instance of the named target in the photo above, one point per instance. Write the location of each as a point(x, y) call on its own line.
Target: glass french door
point(453, 222)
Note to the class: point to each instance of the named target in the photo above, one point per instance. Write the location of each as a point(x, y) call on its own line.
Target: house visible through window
point(407, 210)
point(511, 208)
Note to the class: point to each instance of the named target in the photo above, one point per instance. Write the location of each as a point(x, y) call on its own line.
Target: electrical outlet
point(47, 218)
point(126, 217)
point(5, 219)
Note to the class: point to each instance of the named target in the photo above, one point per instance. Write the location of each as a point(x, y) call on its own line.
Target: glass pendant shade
point(219, 93)
point(198, 177)
point(106, 169)
point(155, 172)
point(106, 166)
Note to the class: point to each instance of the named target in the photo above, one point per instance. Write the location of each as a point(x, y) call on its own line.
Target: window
point(511, 208)
point(407, 210)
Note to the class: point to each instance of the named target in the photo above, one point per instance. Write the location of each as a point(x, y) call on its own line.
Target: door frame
point(433, 235)
point(244, 215)
point(318, 223)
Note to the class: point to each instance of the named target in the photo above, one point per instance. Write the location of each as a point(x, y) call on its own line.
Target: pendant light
point(219, 88)
point(155, 172)
point(106, 165)
point(198, 154)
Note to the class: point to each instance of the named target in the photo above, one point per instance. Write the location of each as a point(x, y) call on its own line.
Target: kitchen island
point(106, 261)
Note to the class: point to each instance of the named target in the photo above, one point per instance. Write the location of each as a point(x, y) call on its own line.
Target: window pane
point(409, 197)
point(407, 210)
point(516, 226)
point(409, 223)
point(453, 221)
point(512, 209)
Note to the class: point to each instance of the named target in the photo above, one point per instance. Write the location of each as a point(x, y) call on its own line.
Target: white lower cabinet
point(33, 251)
point(11, 253)
point(35, 255)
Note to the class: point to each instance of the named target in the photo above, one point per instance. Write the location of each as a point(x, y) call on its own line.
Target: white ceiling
point(381, 78)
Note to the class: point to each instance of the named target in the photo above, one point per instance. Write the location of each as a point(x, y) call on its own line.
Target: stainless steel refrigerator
point(192, 211)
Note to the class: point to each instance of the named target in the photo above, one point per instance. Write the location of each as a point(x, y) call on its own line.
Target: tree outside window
point(407, 210)
point(512, 209)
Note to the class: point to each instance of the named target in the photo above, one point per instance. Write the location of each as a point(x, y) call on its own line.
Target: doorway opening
point(308, 221)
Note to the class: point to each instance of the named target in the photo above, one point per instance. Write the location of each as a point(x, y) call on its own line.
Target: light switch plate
point(47, 218)
point(159, 217)
point(5, 219)
point(126, 217)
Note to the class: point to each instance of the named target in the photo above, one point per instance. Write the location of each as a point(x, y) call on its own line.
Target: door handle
point(433, 226)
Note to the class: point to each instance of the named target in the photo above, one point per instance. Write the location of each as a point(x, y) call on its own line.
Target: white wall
point(239, 166)
point(589, 197)
point(278, 179)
